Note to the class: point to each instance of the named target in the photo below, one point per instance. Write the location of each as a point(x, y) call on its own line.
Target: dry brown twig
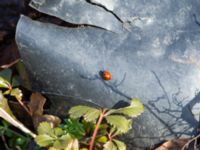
point(190, 141)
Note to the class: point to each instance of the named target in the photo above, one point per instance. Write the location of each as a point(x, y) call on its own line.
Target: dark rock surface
point(156, 59)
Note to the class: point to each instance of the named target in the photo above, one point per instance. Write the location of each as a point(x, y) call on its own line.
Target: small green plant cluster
point(90, 127)
point(11, 138)
point(86, 128)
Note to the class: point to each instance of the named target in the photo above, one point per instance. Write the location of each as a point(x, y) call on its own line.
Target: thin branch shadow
point(113, 86)
point(195, 19)
point(181, 114)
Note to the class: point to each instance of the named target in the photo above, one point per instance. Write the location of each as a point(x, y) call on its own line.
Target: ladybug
point(106, 75)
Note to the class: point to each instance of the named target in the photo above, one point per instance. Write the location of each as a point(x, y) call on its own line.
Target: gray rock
point(157, 61)
point(79, 12)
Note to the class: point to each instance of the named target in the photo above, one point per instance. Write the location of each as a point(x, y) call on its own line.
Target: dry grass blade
point(173, 144)
point(15, 123)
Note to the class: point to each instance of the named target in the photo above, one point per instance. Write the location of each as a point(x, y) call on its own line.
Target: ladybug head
point(101, 73)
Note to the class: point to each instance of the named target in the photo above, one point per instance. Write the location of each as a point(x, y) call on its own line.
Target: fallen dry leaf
point(53, 120)
point(36, 105)
point(176, 144)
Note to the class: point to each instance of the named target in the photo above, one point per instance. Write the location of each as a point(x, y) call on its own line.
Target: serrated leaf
point(90, 114)
point(57, 144)
point(120, 123)
point(45, 128)
point(66, 138)
point(58, 131)
point(110, 146)
point(17, 93)
point(4, 83)
point(44, 140)
point(69, 143)
point(73, 145)
point(134, 110)
point(120, 145)
point(78, 111)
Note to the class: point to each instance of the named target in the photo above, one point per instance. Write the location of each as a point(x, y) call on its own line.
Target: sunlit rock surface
point(155, 59)
point(79, 12)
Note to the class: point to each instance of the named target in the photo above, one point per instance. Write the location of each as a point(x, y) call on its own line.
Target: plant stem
point(190, 141)
point(110, 136)
point(96, 130)
point(26, 109)
point(5, 143)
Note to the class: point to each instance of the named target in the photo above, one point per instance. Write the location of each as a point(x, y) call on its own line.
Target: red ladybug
point(106, 75)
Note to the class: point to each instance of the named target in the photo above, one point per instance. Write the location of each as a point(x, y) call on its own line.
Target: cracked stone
point(156, 61)
point(79, 12)
point(108, 4)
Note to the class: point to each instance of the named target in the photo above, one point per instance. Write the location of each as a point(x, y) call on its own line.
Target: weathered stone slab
point(79, 12)
point(157, 60)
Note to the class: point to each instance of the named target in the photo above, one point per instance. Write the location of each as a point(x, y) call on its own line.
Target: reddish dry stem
point(96, 130)
point(110, 136)
point(26, 109)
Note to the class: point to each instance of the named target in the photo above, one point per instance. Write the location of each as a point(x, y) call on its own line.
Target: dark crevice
point(115, 15)
point(46, 18)
point(99, 5)
point(57, 21)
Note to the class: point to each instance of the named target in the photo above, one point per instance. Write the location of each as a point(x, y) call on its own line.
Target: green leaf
point(134, 110)
point(74, 128)
point(15, 81)
point(4, 83)
point(4, 105)
point(110, 146)
point(66, 139)
point(102, 139)
point(58, 131)
point(90, 114)
point(7, 114)
point(103, 129)
point(58, 145)
point(74, 145)
point(5, 123)
point(88, 126)
point(120, 145)
point(17, 93)
point(69, 142)
point(45, 128)
point(44, 140)
point(120, 123)
point(6, 74)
